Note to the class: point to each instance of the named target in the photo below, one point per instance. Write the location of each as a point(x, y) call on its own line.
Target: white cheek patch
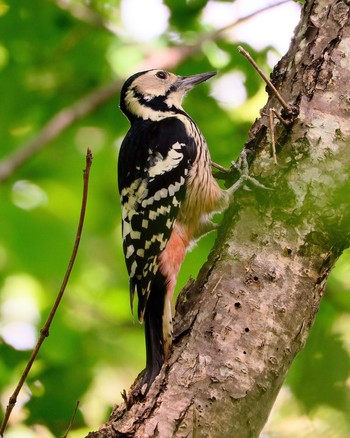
point(145, 112)
point(151, 86)
point(174, 99)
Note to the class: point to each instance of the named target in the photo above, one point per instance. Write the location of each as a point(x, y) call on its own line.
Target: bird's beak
point(186, 83)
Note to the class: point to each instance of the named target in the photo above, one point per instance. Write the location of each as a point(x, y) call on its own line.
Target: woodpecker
point(168, 195)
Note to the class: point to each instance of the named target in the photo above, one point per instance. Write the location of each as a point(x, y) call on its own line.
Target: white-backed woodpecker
point(168, 195)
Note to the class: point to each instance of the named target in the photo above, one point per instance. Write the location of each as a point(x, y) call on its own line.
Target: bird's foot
point(241, 166)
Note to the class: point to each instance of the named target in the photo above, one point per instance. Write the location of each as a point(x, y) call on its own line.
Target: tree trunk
point(240, 325)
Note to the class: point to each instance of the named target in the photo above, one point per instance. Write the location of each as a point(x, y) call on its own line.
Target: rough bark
point(240, 325)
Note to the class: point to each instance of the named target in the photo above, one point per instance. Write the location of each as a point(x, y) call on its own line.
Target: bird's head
point(156, 94)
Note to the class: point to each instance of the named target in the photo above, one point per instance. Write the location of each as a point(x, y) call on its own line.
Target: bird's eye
point(161, 75)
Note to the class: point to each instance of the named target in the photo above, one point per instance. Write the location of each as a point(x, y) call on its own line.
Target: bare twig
point(44, 332)
point(167, 58)
point(285, 105)
point(72, 419)
point(221, 168)
point(286, 122)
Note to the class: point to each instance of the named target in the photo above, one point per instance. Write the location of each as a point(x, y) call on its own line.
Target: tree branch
point(263, 75)
point(240, 325)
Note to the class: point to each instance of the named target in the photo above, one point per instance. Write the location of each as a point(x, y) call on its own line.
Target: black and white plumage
point(152, 188)
point(167, 193)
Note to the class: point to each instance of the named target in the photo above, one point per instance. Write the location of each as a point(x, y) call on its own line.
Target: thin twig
point(281, 119)
point(221, 168)
point(44, 332)
point(168, 58)
point(285, 105)
point(72, 419)
point(272, 133)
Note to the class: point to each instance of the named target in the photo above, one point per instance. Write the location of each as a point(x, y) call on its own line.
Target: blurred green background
point(53, 53)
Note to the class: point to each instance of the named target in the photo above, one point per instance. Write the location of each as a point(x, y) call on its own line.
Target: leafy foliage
point(52, 54)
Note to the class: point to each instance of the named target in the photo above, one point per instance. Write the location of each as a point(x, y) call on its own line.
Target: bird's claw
point(242, 167)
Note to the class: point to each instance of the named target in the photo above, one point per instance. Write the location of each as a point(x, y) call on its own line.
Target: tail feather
point(157, 333)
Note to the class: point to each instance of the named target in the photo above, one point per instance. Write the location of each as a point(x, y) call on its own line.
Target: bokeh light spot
point(27, 195)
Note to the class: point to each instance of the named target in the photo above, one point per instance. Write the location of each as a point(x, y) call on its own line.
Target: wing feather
point(154, 161)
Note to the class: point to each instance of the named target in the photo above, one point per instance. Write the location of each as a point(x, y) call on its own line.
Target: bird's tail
point(158, 329)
